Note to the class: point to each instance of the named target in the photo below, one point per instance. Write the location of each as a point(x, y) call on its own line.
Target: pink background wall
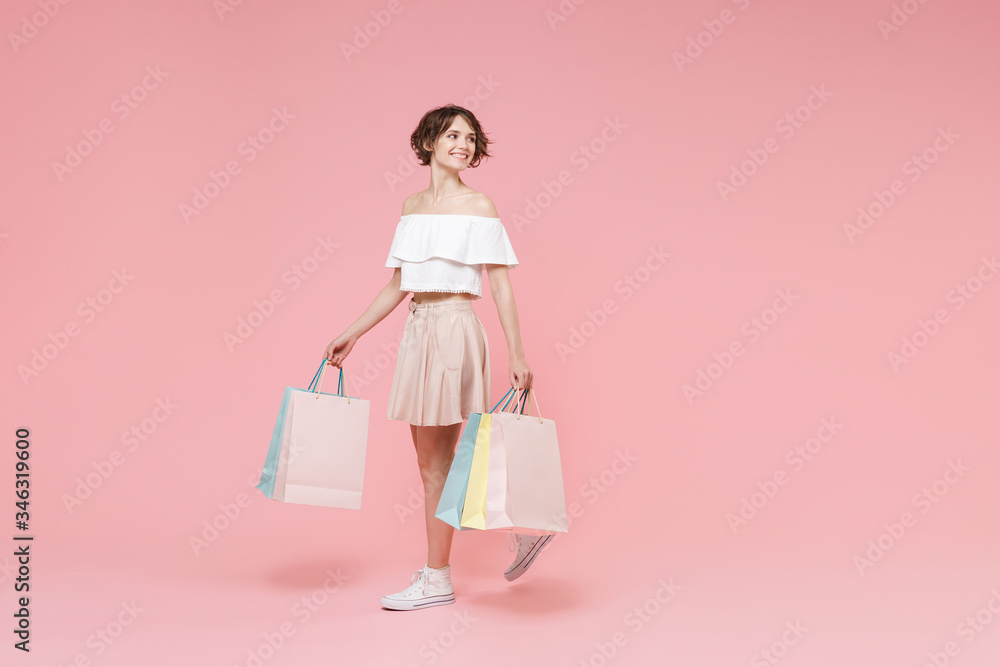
point(809, 111)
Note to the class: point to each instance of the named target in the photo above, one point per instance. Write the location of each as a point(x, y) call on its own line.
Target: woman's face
point(454, 149)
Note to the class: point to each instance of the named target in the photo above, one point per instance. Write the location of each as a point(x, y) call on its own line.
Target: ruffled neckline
point(466, 239)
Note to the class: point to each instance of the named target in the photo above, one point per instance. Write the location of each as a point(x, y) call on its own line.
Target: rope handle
point(534, 396)
point(318, 381)
point(510, 399)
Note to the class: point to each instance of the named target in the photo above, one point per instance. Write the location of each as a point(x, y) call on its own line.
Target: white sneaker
point(528, 547)
point(429, 587)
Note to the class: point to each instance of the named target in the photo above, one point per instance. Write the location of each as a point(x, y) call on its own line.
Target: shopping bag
point(456, 502)
point(451, 505)
point(486, 500)
point(497, 511)
point(278, 452)
point(452, 500)
point(473, 512)
point(536, 500)
point(321, 448)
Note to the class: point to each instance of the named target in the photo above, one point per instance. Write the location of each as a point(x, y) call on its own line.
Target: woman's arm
point(503, 295)
point(384, 303)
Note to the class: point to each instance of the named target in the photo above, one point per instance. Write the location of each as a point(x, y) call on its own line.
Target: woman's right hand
point(339, 348)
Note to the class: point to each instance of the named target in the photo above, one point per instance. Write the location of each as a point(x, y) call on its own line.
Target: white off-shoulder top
point(445, 252)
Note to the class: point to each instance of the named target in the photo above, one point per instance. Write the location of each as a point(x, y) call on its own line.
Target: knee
point(433, 479)
point(434, 470)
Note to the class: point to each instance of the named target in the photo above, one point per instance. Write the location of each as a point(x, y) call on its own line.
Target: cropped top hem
point(453, 290)
point(447, 252)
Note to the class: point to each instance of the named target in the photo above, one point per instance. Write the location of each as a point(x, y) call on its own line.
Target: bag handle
point(511, 395)
point(315, 376)
point(511, 403)
point(524, 395)
point(522, 399)
point(519, 399)
point(506, 397)
point(318, 381)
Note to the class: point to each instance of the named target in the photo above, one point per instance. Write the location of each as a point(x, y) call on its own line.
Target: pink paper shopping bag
point(324, 438)
point(534, 501)
point(497, 511)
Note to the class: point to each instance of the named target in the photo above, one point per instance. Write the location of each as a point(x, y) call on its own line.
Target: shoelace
point(524, 542)
point(420, 574)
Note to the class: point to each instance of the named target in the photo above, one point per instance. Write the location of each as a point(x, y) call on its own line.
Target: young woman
point(447, 235)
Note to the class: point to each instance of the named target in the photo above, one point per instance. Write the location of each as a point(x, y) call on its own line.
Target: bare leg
point(435, 447)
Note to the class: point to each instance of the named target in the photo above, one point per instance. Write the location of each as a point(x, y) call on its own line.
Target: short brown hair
point(435, 122)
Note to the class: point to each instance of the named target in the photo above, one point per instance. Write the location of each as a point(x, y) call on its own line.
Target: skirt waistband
point(449, 304)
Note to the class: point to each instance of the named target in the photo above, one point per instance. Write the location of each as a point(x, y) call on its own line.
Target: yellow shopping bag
point(474, 511)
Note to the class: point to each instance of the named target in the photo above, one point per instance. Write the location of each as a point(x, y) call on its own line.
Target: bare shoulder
point(483, 206)
point(410, 203)
point(470, 202)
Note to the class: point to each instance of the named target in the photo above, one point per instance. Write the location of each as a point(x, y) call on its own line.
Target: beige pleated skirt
point(443, 368)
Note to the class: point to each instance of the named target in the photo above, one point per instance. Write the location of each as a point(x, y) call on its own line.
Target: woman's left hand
point(520, 374)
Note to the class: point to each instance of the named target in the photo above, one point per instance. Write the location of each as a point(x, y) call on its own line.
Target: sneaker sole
point(521, 568)
point(408, 605)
